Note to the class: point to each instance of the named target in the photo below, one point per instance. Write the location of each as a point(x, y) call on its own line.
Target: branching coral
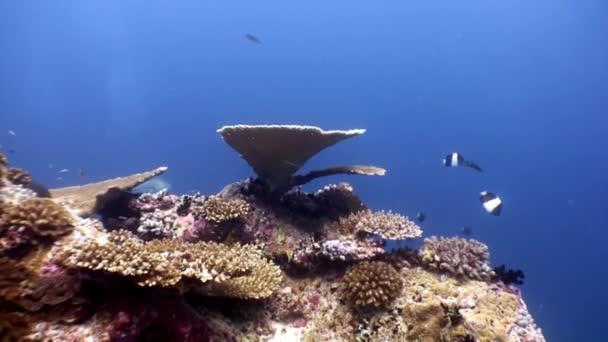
point(371, 284)
point(19, 176)
point(466, 258)
point(238, 270)
point(219, 210)
point(33, 220)
point(387, 225)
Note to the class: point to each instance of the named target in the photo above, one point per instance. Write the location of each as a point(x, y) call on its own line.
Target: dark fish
point(39, 189)
point(81, 172)
point(491, 203)
point(420, 216)
point(11, 151)
point(253, 38)
point(456, 159)
point(466, 230)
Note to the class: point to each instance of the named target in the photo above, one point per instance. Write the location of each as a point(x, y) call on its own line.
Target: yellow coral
point(41, 217)
point(219, 210)
point(237, 271)
point(371, 284)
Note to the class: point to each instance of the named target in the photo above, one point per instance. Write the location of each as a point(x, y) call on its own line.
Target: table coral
point(237, 271)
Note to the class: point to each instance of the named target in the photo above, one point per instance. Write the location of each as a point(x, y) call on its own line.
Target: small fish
point(11, 132)
point(466, 230)
point(253, 38)
point(81, 172)
point(491, 202)
point(59, 178)
point(456, 159)
point(64, 170)
point(50, 166)
point(11, 151)
point(420, 216)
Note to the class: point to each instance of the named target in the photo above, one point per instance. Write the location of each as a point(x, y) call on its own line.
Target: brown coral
point(90, 198)
point(32, 221)
point(3, 160)
point(216, 209)
point(371, 284)
point(465, 258)
point(236, 271)
point(19, 176)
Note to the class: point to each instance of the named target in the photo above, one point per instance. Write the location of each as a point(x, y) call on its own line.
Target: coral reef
point(466, 258)
point(261, 260)
point(371, 284)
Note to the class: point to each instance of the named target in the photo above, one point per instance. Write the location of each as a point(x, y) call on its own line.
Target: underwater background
point(519, 87)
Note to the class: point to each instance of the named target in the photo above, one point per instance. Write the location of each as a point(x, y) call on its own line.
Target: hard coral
point(219, 210)
point(278, 151)
point(19, 176)
point(465, 258)
point(237, 271)
point(387, 225)
point(371, 284)
point(32, 221)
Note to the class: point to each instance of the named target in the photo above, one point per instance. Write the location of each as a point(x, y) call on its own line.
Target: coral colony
point(260, 261)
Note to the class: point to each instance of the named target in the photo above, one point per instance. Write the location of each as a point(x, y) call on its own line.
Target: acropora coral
point(371, 284)
point(260, 260)
point(466, 258)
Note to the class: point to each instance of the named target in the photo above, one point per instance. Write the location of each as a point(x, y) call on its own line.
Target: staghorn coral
point(371, 284)
point(465, 258)
point(239, 270)
point(90, 198)
point(19, 176)
point(216, 209)
point(31, 221)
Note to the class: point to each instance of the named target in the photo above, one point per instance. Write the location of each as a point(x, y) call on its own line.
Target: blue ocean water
point(116, 87)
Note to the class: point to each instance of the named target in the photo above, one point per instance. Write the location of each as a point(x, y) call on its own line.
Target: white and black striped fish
point(491, 203)
point(456, 159)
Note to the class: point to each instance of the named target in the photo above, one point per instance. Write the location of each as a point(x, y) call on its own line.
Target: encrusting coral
point(219, 210)
point(31, 221)
point(237, 271)
point(465, 258)
point(19, 176)
point(371, 284)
